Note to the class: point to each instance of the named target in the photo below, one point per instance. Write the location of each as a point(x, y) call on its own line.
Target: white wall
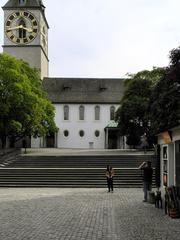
point(89, 126)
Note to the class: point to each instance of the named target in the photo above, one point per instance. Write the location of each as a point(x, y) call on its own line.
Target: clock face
point(21, 27)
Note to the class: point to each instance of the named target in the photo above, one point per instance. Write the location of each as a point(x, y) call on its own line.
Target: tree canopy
point(165, 100)
point(24, 107)
point(133, 113)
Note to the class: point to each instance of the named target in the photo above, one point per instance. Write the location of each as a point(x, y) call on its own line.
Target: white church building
point(85, 107)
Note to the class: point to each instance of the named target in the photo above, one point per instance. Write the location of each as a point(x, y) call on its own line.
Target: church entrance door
point(50, 141)
point(112, 140)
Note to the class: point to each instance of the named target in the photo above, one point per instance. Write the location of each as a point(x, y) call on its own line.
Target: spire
point(13, 4)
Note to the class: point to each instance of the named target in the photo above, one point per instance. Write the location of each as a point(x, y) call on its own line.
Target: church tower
point(26, 33)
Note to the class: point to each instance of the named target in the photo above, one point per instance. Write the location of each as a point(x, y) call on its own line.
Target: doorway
point(50, 141)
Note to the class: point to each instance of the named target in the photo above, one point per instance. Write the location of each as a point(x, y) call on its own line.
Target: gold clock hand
point(28, 29)
point(20, 27)
point(13, 28)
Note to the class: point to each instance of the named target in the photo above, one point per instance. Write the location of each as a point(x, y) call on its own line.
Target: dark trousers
point(110, 184)
point(147, 186)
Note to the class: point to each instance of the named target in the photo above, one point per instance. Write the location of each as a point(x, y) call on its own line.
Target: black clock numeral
point(31, 37)
point(34, 23)
point(35, 30)
point(12, 37)
point(26, 14)
point(31, 17)
point(25, 40)
point(18, 40)
point(11, 17)
point(17, 14)
point(8, 23)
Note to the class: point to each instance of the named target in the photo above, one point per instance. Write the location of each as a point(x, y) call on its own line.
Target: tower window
point(97, 113)
point(112, 113)
point(81, 113)
point(22, 2)
point(22, 32)
point(66, 112)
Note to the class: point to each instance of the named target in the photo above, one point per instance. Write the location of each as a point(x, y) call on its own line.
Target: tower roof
point(27, 4)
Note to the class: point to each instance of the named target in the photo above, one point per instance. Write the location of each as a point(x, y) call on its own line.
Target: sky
point(109, 38)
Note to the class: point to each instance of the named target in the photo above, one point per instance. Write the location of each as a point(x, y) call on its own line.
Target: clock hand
point(27, 29)
point(20, 27)
point(13, 28)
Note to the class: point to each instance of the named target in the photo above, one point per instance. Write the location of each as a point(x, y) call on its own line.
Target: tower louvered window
point(22, 2)
point(22, 32)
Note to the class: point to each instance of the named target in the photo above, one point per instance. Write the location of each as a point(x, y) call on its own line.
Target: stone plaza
point(82, 214)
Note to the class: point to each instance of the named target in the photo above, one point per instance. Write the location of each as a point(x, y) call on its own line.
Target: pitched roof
point(84, 90)
point(28, 3)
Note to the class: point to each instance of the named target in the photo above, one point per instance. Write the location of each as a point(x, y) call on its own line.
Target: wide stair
point(73, 171)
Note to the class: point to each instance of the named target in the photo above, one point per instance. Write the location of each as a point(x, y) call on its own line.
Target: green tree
point(133, 113)
point(24, 107)
point(165, 99)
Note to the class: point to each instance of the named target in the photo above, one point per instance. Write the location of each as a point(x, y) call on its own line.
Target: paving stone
point(82, 214)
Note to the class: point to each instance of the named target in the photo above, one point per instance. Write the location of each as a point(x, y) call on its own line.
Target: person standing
point(109, 176)
point(147, 178)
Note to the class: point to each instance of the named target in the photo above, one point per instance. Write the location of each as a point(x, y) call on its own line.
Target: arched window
point(22, 32)
point(97, 113)
point(112, 113)
point(81, 113)
point(66, 112)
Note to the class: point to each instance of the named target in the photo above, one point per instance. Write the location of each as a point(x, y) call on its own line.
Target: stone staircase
point(73, 171)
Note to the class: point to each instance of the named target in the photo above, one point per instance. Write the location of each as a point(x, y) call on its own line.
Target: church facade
point(85, 107)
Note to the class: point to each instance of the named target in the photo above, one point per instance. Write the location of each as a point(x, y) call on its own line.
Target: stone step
point(80, 161)
point(72, 171)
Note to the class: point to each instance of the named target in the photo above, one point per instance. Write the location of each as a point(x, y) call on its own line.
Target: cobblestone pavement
point(82, 214)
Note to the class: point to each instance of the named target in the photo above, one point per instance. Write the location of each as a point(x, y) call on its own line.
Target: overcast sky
point(108, 38)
